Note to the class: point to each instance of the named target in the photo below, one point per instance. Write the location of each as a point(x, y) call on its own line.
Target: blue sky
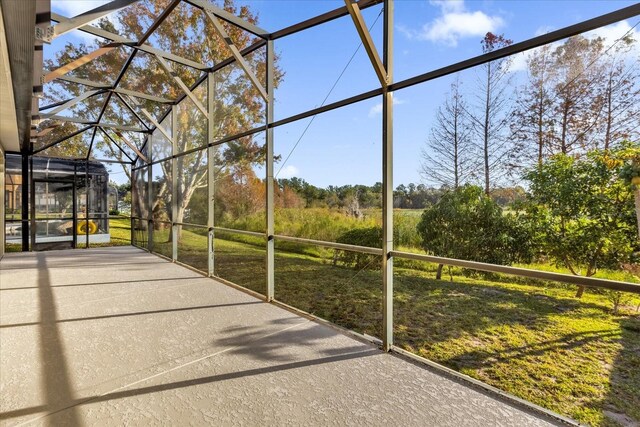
point(344, 146)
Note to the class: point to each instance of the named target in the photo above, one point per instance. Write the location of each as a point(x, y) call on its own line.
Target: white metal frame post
point(211, 151)
point(387, 180)
point(174, 186)
point(150, 195)
point(270, 180)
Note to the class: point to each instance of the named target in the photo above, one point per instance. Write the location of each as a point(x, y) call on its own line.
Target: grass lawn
point(530, 338)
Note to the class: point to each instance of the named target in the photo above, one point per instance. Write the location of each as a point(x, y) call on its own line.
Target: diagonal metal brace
point(180, 83)
point(99, 32)
point(132, 146)
point(71, 103)
point(86, 17)
point(367, 42)
point(79, 62)
point(148, 115)
point(217, 25)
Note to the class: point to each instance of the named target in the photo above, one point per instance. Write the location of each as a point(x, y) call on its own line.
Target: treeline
point(356, 197)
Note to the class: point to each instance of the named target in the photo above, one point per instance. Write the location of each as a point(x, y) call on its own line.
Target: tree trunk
point(636, 193)
point(439, 273)
point(487, 112)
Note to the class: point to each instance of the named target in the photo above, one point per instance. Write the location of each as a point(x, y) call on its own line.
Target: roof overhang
point(20, 51)
point(9, 139)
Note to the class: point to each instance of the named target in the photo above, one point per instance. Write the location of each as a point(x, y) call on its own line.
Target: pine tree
point(447, 158)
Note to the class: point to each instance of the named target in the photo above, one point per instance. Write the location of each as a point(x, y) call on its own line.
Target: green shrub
point(469, 225)
point(370, 237)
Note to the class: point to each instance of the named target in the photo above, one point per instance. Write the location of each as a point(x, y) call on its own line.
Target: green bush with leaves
point(370, 237)
point(467, 224)
point(582, 211)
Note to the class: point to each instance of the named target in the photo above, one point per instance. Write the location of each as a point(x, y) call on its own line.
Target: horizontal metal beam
point(328, 107)
point(60, 140)
point(320, 19)
point(85, 82)
point(92, 122)
point(121, 127)
point(99, 32)
point(217, 25)
point(69, 119)
point(89, 16)
point(229, 17)
point(143, 96)
point(245, 232)
point(523, 272)
point(332, 245)
point(112, 161)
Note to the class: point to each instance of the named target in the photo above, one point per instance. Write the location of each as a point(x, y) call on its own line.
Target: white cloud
point(544, 30)
point(377, 109)
point(611, 33)
point(289, 171)
point(454, 23)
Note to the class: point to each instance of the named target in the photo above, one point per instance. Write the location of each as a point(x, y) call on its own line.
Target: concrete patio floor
point(118, 336)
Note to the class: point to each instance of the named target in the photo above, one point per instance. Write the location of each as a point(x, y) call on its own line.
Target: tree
point(629, 163)
point(619, 96)
point(577, 104)
point(532, 125)
point(582, 211)
point(491, 116)
point(579, 96)
point(186, 32)
point(467, 224)
point(447, 159)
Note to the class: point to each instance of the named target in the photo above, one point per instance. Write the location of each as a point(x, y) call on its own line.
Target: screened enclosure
point(308, 203)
